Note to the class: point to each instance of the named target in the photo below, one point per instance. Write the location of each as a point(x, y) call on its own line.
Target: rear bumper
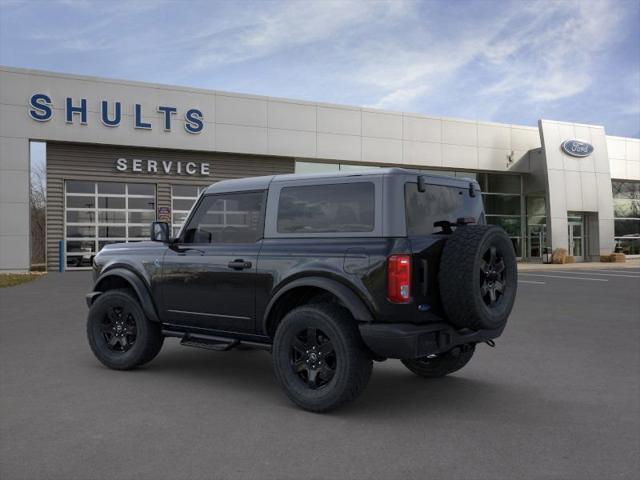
point(406, 340)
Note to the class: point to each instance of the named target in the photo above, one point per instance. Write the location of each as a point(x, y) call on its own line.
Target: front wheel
point(319, 358)
point(119, 333)
point(442, 364)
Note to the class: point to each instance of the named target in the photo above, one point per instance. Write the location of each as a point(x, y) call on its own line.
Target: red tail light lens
point(399, 278)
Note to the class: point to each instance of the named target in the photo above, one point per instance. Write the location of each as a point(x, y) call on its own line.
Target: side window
point(226, 218)
point(342, 207)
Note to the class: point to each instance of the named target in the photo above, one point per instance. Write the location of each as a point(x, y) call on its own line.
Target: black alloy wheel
point(119, 328)
point(313, 357)
point(119, 333)
point(492, 279)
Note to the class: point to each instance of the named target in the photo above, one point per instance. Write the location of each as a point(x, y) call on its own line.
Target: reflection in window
point(626, 207)
point(346, 207)
point(232, 218)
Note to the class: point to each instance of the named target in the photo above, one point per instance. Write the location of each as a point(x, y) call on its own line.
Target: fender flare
point(138, 286)
point(346, 295)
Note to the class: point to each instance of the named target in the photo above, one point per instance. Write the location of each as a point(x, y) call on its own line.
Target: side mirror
point(160, 232)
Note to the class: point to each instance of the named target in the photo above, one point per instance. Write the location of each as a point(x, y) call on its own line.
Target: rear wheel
point(119, 333)
point(319, 358)
point(478, 277)
point(441, 365)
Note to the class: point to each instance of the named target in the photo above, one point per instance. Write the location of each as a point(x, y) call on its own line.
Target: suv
point(328, 272)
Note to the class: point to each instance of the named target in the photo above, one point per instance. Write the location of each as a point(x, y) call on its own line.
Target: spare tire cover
point(478, 277)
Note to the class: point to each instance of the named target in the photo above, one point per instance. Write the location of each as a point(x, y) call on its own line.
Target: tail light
point(399, 278)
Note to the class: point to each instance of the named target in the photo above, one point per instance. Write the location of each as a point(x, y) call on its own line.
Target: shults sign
point(41, 109)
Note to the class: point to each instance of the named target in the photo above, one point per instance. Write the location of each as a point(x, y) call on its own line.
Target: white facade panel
point(381, 150)
point(241, 139)
point(381, 125)
point(424, 154)
point(523, 138)
point(339, 147)
point(418, 129)
point(341, 121)
point(618, 168)
point(293, 143)
point(292, 116)
point(456, 132)
point(492, 158)
point(245, 111)
point(589, 190)
point(14, 219)
point(458, 156)
point(617, 148)
point(494, 136)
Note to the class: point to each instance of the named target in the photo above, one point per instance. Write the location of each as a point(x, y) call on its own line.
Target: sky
point(501, 61)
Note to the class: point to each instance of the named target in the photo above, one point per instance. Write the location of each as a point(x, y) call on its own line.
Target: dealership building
point(96, 160)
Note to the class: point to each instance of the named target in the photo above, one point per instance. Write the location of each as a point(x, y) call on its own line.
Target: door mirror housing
point(160, 232)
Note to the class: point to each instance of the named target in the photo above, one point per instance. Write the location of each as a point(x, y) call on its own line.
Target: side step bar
point(213, 342)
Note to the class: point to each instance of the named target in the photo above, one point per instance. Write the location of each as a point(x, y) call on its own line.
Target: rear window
point(437, 203)
point(343, 207)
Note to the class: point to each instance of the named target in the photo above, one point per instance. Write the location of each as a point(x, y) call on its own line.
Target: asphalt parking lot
point(559, 397)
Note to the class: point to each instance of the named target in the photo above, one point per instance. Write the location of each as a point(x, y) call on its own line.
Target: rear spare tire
point(478, 277)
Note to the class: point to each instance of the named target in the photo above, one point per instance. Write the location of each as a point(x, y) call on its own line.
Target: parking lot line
point(532, 281)
point(598, 273)
point(568, 278)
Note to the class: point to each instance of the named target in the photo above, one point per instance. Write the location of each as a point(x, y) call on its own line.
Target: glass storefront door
point(575, 224)
point(537, 240)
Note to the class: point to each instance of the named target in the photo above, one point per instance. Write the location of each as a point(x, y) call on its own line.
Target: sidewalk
point(630, 263)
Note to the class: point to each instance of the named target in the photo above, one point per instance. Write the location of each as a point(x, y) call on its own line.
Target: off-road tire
point(148, 335)
point(443, 364)
point(463, 279)
point(352, 361)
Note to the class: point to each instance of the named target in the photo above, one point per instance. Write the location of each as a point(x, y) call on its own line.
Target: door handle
point(239, 264)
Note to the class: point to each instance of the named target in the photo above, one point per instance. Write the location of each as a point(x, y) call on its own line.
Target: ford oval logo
point(577, 148)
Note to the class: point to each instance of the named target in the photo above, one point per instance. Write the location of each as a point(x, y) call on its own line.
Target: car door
point(208, 275)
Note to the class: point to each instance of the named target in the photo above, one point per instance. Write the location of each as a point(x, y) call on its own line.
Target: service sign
point(577, 148)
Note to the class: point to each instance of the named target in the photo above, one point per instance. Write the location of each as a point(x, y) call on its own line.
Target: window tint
point(435, 204)
point(343, 207)
point(232, 218)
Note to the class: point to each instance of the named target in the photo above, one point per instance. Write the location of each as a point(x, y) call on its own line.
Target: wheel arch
point(298, 292)
point(124, 278)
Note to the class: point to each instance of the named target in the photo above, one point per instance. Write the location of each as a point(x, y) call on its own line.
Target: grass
point(13, 279)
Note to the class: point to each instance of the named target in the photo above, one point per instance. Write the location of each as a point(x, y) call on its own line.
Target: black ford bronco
point(329, 272)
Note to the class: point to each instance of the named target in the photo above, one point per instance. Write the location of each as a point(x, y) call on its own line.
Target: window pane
point(467, 175)
point(312, 167)
point(184, 190)
point(87, 216)
point(626, 189)
point(80, 246)
point(76, 232)
point(183, 204)
point(102, 243)
point(111, 232)
point(142, 217)
point(141, 189)
point(499, 183)
point(234, 218)
point(111, 187)
point(141, 203)
point(138, 232)
point(112, 217)
point(536, 206)
point(111, 202)
point(346, 207)
point(78, 261)
point(626, 208)
point(511, 225)
point(629, 245)
point(502, 204)
point(179, 218)
point(81, 202)
point(437, 203)
point(75, 186)
point(625, 228)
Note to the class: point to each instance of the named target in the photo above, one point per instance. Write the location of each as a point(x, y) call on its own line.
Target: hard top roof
point(262, 183)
